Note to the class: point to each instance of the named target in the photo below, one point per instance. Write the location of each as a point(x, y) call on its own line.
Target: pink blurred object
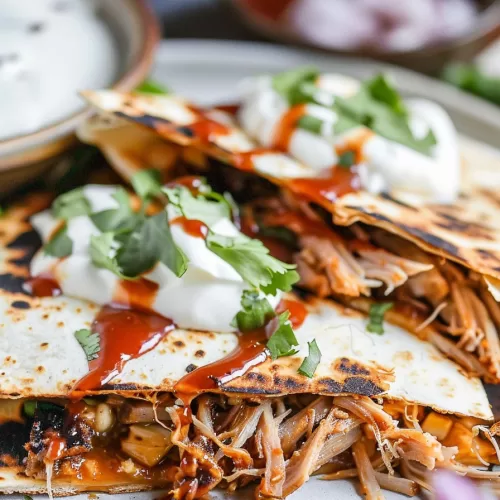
point(422, 34)
point(449, 485)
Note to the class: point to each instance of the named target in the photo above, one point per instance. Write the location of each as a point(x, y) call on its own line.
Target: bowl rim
point(131, 77)
point(487, 26)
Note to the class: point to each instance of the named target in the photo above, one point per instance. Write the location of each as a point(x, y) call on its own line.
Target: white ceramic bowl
point(136, 31)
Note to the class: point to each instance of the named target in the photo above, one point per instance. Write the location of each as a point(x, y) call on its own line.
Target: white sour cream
point(388, 166)
point(206, 297)
point(49, 51)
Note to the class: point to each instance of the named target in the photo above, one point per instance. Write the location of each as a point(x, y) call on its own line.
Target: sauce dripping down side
point(250, 352)
point(206, 129)
point(287, 126)
point(43, 285)
point(124, 335)
point(193, 227)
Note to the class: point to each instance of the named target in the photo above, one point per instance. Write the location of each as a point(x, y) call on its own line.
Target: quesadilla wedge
point(358, 228)
point(100, 391)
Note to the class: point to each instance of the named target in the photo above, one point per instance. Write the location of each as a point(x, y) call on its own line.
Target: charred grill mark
point(470, 229)
point(185, 131)
point(20, 304)
point(146, 120)
point(432, 240)
point(351, 367)
point(13, 437)
point(362, 386)
point(12, 284)
point(190, 368)
point(388, 197)
point(27, 240)
point(199, 354)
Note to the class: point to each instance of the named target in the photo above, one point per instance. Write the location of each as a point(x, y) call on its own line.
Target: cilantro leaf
point(103, 253)
point(251, 260)
point(147, 183)
point(90, 343)
point(311, 362)
point(288, 83)
point(150, 86)
point(310, 123)
point(256, 312)
point(149, 243)
point(207, 207)
point(283, 341)
point(116, 219)
point(380, 116)
point(347, 159)
point(71, 204)
point(377, 312)
point(383, 91)
point(60, 245)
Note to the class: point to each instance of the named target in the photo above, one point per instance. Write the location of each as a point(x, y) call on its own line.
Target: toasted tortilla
point(40, 357)
point(467, 232)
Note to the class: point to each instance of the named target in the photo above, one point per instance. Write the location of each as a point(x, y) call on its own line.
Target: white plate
point(208, 71)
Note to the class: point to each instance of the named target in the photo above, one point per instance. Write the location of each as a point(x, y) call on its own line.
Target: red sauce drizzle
point(205, 129)
point(244, 161)
point(43, 285)
point(341, 182)
point(124, 335)
point(231, 109)
point(56, 448)
point(251, 351)
point(135, 294)
point(192, 182)
point(193, 227)
point(287, 126)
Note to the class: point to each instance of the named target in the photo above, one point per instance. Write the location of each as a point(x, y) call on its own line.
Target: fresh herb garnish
point(347, 159)
point(375, 107)
point(122, 218)
point(283, 341)
point(376, 321)
point(31, 406)
point(470, 78)
point(255, 312)
point(71, 204)
point(311, 124)
point(60, 245)
point(147, 183)
point(149, 243)
point(150, 86)
point(90, 343)
point(27, 497)
point(207, 207)
point(290, 84)
point(103, 253)
point(311, 362)
point(251, 260)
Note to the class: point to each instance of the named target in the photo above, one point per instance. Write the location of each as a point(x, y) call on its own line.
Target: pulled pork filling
point(350, 262)
point(230, 442)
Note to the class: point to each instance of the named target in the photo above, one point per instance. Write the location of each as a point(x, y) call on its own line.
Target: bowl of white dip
point(50, 50)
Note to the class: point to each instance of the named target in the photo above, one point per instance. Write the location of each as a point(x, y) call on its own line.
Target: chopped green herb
point(470, 78)
point(376, 109)
point(376, 321)
point(288, 83)
point(149, 243)
point(251, 260)
point(311, 124)
point(255, 312)
point(283, 341)
point(150, 86)
point(147, 183)
point(90, 343)
point(60, 245)
point(103, 253)
point(383, 91)
point(29, 408)
point(27, 497)
point(311, 362)
point(208, 207)
point(347, 159)
point(122, 218)
point(91, 401)
point(71, 204)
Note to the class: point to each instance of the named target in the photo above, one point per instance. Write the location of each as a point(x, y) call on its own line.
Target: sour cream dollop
point(388, 166)
point(206, 297)
point(49, 51)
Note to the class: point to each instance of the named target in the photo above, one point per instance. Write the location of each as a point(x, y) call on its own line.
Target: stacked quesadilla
point(191, 334)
